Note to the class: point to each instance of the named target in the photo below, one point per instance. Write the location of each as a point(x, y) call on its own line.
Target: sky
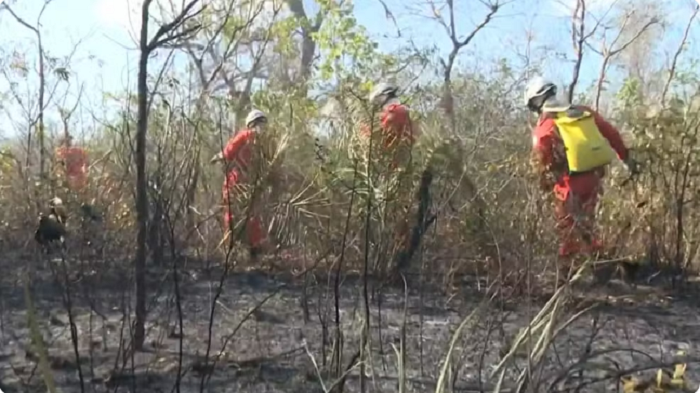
point(106, 56)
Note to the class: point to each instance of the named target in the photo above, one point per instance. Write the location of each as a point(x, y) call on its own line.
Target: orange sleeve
point(543, 140)
point(611, 134)
point(233, 146)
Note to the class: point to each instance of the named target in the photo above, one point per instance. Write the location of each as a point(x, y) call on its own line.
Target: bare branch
point(184, 34)
point(641, 31)
point(676, 56)
point(579, 38)
point(159, 78)
point(599, 21)
point(578, 44)
point(457, 45)
point(164, 34)
point(244, 96)
point(609, 52)
point(198, 60)
point(66, 114)
point(42, 86)
point(21, 21)
point(389, 15)
point(453, 29)
point(494, 7)
point(210, 47)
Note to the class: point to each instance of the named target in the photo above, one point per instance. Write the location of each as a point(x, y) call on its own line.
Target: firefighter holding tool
point(239, 155)
point(572, 145)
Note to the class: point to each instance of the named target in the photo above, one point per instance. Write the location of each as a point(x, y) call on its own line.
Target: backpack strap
point(555, 105)
point(571, 115)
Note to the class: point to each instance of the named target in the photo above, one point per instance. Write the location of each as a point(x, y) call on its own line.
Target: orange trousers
point(253, 227)
point(77, 182)
point(575, 207)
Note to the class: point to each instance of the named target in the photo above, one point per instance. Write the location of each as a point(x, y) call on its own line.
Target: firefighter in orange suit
point(576, 192)
point(74, 161)
point(239, 154)
point(393, 141)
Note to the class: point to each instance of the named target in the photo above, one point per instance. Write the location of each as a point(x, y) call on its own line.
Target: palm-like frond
point(293, 217)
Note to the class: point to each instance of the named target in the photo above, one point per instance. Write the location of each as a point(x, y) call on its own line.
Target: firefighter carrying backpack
point(586, 148)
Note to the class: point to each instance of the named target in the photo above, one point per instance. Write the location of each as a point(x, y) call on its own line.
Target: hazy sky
point(106, 58)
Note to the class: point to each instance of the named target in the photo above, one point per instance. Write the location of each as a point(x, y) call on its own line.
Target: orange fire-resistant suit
point(238, 154)
point(397, 134)
point(576, 195)
point(397, 131)
point(75, 162)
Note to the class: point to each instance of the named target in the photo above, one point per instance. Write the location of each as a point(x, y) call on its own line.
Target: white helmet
point(380, 90)
point(254, 115)
point(55, 202)
point(538, 87)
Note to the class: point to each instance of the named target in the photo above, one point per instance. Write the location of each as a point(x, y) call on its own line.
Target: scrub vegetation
point(146, 297)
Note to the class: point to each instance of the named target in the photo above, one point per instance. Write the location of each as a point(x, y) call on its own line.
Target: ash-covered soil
point(271, 349)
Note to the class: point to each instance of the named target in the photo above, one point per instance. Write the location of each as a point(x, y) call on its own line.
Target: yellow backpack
point(586, 148)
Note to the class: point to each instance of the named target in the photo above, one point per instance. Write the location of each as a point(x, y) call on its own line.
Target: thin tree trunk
point(601, 80)
point(42, 93)
point(141, 185)
point(578, 45)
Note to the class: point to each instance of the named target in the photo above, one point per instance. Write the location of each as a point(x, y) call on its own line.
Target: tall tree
point(178, 28)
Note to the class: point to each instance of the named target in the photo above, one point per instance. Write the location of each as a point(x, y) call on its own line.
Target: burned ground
point(262, 342)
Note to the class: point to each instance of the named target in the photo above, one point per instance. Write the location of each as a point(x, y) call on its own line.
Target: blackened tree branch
point(164, 33)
